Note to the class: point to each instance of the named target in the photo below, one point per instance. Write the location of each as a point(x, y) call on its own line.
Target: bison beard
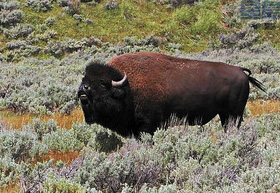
point(157, 86)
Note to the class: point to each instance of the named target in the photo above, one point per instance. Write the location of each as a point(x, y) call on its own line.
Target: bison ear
point(118, 93)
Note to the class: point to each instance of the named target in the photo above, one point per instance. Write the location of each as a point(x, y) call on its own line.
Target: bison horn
point(119, 83)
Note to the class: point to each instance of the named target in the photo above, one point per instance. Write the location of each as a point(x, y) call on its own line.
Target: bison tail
point(257, 83)
point(247, 70)
point(254, 81)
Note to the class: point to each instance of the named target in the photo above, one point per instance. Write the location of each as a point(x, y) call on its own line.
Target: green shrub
point(33, 178)
point(62, 140)
point(72, 7)
point(178, 159)
point(62, 185)
point(41, 93)
point(18, 31)
point(40, 5)
point(105, 141)
point(20, 145)
point(232, 15)
point(9, 171)
point(10, 17)
point(111, 5)
point(42, 128)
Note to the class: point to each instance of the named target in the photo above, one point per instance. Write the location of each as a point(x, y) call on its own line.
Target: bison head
point(105, 97)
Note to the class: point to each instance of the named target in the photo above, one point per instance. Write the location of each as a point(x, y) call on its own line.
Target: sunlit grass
point(259, 107)
point(112, 25)
point(130, 18)
point(16, 121)
point(191, 26)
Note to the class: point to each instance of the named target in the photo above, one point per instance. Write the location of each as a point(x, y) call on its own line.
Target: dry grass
point(13, 120)
point(66, 157)
point(16, 121)
point(12, 188)
point(259, 107)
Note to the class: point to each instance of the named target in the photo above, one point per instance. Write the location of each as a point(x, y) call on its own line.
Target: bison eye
point(105, 84)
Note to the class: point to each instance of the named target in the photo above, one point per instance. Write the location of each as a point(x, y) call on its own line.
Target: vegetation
point(44, 48)
point(52, 88)
point(43, 23)
point(180, 158)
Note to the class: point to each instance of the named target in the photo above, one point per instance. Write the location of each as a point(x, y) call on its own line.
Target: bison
point(138, 92)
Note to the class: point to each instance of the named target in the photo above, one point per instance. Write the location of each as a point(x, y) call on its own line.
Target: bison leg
point(230, 120)
point(224, 120)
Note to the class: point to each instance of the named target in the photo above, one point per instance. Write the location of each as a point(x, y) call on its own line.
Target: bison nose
point(82, 91)
point(86, 87)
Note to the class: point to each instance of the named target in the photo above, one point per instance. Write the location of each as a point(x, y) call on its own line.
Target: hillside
point(46, 146)
point(37, 28)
